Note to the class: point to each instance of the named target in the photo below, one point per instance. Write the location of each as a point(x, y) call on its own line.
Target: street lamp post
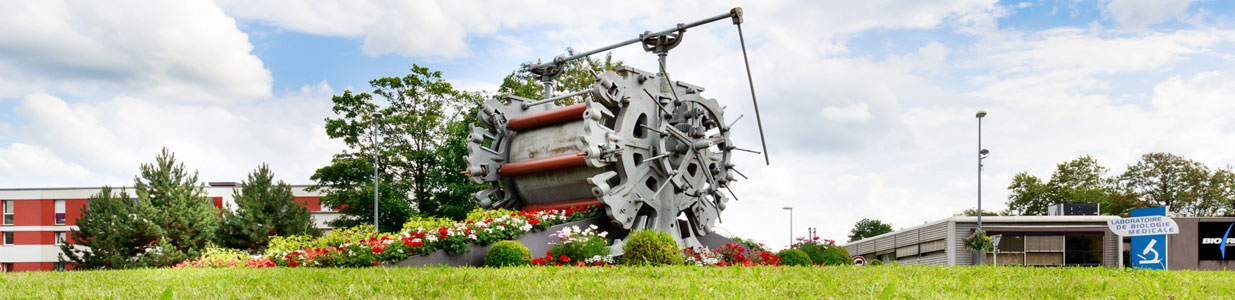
point(376, 179)
point(790, 209)
point(982, 153)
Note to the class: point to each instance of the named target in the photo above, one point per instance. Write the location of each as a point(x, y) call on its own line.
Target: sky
point(868, 106)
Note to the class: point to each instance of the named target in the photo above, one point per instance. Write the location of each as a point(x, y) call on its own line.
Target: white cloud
point(853, 112)
point(112, 138)
point(31, 165)
point(185, 51)
point(1137, 14)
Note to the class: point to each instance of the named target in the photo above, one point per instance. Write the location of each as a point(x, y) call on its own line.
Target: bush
point(422, 223)
point(824, 252)
point(794, 257)
point(652, 248)
point(480, 214)
point(508, 254)
point(750, 244)
point(875, 262)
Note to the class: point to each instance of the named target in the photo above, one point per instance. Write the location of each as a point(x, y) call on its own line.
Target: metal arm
point(735, 14)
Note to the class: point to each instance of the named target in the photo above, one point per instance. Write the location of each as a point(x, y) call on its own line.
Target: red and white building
point(35, 221)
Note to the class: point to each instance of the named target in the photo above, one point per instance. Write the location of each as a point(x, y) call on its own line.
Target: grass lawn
point(623, 283)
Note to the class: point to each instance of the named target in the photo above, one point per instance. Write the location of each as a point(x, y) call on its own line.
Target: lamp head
point(787, 208)
point(377, 115)
point(984, 152)
point(981, 113)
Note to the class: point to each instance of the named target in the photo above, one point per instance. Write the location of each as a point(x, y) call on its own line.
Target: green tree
point(413, 127)
point(868, 228)
point(1082, 180)
point(179, 206)
point(263, 209)
point(973, 211)
point(1183, 185)
point(452, 196)
point(112, 229)
point(577, 75)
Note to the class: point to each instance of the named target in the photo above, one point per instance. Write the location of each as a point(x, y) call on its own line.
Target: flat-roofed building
point(34, 222)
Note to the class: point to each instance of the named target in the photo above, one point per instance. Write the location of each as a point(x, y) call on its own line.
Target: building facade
point(36, 221)
point(1025, 240)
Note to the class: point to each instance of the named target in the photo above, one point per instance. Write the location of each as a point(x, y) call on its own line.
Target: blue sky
point(868, 105)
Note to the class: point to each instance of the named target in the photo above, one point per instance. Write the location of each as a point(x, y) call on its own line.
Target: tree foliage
point(169, 221)
point(973, 212)
point(868, 228)
point(111, 232)
point(577, 75)
point(263, 209)
point(417, 112)
point(1185, 186)
point(180, 207)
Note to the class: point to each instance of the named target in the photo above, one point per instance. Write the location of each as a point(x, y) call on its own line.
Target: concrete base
point(537, 242)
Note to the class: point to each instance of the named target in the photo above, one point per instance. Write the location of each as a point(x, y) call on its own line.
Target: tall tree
point(413, 126)
point(1182, 185)
point(112, 229)
point(868, 228)
point(1080, 180)
point(263, 209)
point(179, 206)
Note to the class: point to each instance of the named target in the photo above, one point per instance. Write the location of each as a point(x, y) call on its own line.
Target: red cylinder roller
point(546, 118)
point(576, 204)
point(564, 161)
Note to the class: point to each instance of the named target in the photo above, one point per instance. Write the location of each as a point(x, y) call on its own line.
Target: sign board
point(859, 261)
point(1142, 226)
point(1215, 241)
point(1149, 250)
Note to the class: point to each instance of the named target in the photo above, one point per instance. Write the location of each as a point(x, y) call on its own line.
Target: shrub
point(794, 257)
point(422, 223)
point(749, 244)
point(875, 262)
point(651, 247)
point(824, 252)
point(480, 214)
point(508, 253)
point(217, 257)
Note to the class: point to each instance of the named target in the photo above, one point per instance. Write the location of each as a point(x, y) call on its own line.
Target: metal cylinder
point(553, 185)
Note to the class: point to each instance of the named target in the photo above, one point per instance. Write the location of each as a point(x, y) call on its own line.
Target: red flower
point(538, 261)
point(580, 263)
point(407, 242)
point(292, 264)
point(533, 221)
point(564, 258)
point(549, 253)
point(467, 231)
point(469, 222)
point(417, 244)
point(377, 249)
point(488, 220)
point(375, 263)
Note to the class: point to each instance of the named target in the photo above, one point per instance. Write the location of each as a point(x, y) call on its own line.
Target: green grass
point(623, 283)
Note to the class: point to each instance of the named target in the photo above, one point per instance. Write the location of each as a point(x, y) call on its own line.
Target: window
point(8, 238)
point(8, 212)
point(59, 266)
point(61, 237)
point(59, 212)
point(1083, 250)
point(6, 267)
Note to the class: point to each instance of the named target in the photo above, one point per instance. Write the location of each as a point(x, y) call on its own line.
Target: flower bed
point(374, 249)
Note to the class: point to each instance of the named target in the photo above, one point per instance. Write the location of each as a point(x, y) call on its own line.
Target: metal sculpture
point(653, 151)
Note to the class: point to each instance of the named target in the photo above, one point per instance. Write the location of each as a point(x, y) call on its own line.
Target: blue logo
point(1222, 246)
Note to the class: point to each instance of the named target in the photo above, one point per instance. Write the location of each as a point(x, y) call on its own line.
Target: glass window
point(1083, 250)
point(61, 237)
point(1012, 243)
point(59, 266)
point(8, 212)
point(8, 238)
point(59, 212)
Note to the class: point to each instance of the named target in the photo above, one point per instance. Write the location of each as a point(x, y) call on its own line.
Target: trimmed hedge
point(651, 248)
point(507, 254)
point(794, 257)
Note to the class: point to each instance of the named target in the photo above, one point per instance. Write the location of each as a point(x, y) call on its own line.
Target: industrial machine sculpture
point(654, 152)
